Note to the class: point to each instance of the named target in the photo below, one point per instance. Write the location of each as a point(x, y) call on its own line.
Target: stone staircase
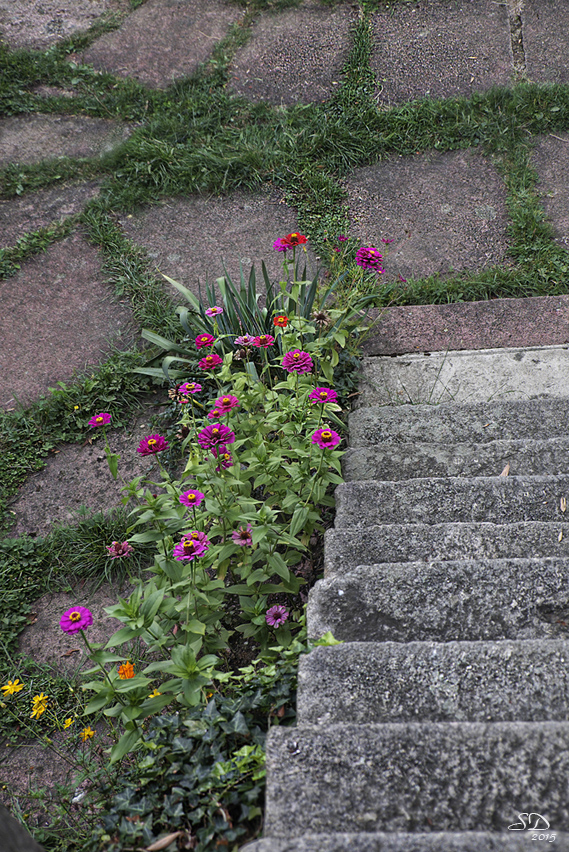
point(444, 716)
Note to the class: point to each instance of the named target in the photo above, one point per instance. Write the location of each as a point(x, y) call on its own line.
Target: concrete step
point(497, 499)
point(345, 549)
point(467, 423)
point(466, 376)
point(472, 841)
point(419, 460)
point(364, 682)
point(416, 777)
point(444, 601)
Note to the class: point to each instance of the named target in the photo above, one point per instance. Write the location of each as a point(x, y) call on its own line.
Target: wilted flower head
point(210, 362)
point(214, 311)
point(215, 434)
point(326, 438)
point(204, 340)
point(152, 445)
point(119, 548)
point(102, 419)
point(226, 403)
point(322, 318)
point(243, 536)
point(264, 340)
point(189, 549)
point(75, 619)
point(323, 395)
point(191, 498)
point(276, 615)
point(369, 258)
point(297, 362)
point(245, 340)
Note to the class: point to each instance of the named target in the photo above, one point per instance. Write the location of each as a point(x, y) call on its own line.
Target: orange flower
point(126, 670)
point(281, 321)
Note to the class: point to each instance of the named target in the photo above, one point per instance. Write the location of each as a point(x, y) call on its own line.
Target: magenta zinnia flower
point(326, 438)
point(198, 535)
point(75, 619)
point(215, 434)
point(245, 340)
point(222, 454)
point(342, 238)
point(210, 362)
point(189, 549)
point(213, 311)
point(214, 414)
point(297, 362)
point(191, 498)
point(281, 245)
point(276, 615)
point(386, 241)
point(152, 445)
point(323, 395)
point(243, 536)
point(102, 419)
point(369, 258)
point(204, 340)
point(189, 387)
point(119, 548)
point(226, 403)
point(264, 340)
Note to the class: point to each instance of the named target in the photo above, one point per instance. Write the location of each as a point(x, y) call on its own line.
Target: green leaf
point(126, 743)
point(298, 519)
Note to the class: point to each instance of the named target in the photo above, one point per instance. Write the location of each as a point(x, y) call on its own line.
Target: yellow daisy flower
point(68, 723)
point(154, 694)
point(12, 687)
point(39, 705)
point(87, 733)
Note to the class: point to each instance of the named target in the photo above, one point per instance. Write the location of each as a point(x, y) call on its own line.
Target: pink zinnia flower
point(189, 549)
point(369, 258)
point(213, 311)
point(243, 536)
point(326, 438)
point(264, 340)
point(75, 619)
point(226, 403)
point(280, 245)
point(191, 498)
point(215, 434)
point(151, 445)
point(210, 362)
point(214, 414)
point(297, 362)
point(222, 454)
point(276, 615)
point(323, 395)
point(102, 419)
point(245, 340)
point(342, 238)
point(119, 548)
point(189, 387)
point(204, 340)
point(198, 535)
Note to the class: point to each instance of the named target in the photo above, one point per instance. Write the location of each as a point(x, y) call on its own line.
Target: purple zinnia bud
point(215, 434)
point(276, 615)
point(119, 548)
point(75, 619)
point(323, 395)
point(151, 445)
point(102, 419)
point(191, 498)
point(326, 438)
point(369, 258)
point(243, 536)
point(297, 362)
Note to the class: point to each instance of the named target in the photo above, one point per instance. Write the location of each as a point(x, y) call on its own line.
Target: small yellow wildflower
point(68, 722)
point(39, 705)
point(154, 694)
point(87, 733)
point(12, 686)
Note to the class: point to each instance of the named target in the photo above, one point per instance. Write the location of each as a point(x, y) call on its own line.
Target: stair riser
point(433, 842)
point(434, 501)
point(417, 778)
point(444, 602)
point(423, 681)
point(409, 461)
point(344, 550)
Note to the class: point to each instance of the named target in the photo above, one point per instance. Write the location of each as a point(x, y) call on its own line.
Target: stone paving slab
point(33, 138)
point(36, 210)
point(546, 40)
point(191, 238)
point(443, 212)
point(550, 159)
point(163, 40)
point(440, 49)
point(295, 56)
point(42, 23)
point(542, 320)
point(57, 317)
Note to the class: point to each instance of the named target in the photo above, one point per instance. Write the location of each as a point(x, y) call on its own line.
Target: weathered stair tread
point(345, 549)
point(416, 777)
point(363, 682)
point(420, 460)
point(466, 376)
point(498, 499)
point(444, 601)
point(472, 841)
point(472, 423)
